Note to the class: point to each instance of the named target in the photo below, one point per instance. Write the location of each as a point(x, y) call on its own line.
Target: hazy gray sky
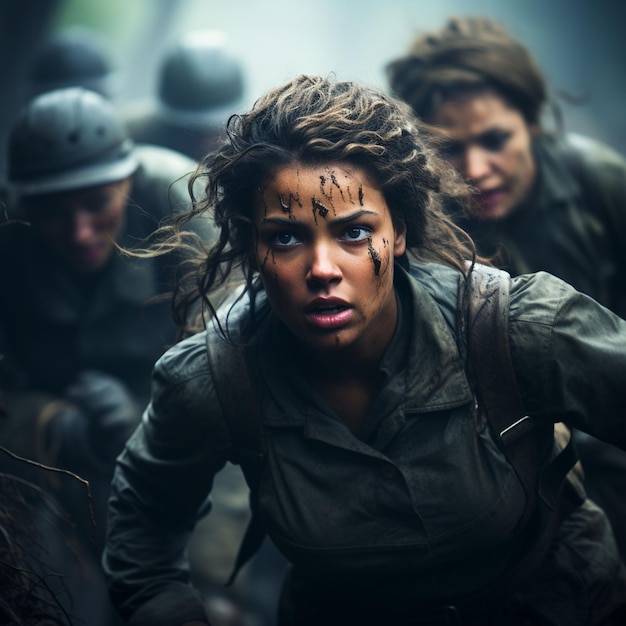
point(576, 42)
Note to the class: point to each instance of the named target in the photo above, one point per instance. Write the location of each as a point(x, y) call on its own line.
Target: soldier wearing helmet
point(200, 84)
point(73, 57)
point(81, 323)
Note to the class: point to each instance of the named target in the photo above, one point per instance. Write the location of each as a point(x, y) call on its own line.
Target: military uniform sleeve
point(160, 488)
point(569, 356)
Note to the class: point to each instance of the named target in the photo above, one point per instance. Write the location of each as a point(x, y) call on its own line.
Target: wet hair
point(312, 120)
point(468, 55)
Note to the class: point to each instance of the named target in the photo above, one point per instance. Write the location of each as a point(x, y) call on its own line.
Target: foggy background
point(578, 43)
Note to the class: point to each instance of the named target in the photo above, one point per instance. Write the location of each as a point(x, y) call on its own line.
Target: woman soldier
point(544, 200)
point(381, 480)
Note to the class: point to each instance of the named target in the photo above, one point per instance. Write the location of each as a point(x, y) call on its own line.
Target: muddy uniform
point(420, 506)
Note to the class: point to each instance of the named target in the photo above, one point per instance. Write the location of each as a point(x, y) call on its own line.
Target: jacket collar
point(435, 377)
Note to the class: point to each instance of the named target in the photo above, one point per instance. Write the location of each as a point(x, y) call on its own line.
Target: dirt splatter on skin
point(335, 183)
point(269, 252)
point(350, 197)
point(318, 207)
point(285, 205)
point(330, 179)
point(323, 192)
point(375, 256)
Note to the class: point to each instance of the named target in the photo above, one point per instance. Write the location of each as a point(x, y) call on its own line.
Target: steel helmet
point(67, 139)
point(74, 57)
point(199, 77)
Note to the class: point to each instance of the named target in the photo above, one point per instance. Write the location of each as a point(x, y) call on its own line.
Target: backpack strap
point(238, 399)
point(485, 317)
point(487, 332)
point(528, 446)
point(236, 395)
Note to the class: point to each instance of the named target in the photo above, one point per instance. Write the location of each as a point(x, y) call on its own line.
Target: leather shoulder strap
point(238, 398)
point(487, 324)
point(488, 346)
point(236, 393)
point(529, 446)
point(541, 466)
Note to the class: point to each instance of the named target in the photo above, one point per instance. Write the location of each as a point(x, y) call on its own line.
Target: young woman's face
point(326, 254)
point(490, 145)
point(80, 227)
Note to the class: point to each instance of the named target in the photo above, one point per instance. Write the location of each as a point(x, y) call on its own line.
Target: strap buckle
point(516, 430)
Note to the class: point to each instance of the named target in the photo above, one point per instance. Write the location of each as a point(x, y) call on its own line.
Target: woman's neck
point(348, 381)
point(347, 386)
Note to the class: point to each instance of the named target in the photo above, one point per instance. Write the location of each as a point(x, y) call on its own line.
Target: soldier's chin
point(492, 206)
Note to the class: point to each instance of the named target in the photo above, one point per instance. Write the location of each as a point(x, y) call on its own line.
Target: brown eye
point(284, 239)
point(356, 233)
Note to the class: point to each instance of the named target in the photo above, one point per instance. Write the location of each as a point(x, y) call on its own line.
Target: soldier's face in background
point(80, 227)
point(490, 145)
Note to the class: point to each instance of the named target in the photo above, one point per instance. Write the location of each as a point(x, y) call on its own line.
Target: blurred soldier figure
point(81, 324)
point(73, 57)
point(200, 84)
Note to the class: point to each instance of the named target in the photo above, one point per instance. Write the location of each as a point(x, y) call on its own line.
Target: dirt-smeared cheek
point(374, 256)
point(382, 260)
point(266, 260)
point(387, 258)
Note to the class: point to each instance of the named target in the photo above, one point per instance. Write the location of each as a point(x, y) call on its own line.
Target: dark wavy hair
point(468, 54)
point(314, 120)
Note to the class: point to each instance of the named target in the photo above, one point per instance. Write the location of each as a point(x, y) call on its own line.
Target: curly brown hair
point(468, 54)
point(315, 120)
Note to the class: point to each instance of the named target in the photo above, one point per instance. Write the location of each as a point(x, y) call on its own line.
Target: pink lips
point(489, 200)
point(328, 313)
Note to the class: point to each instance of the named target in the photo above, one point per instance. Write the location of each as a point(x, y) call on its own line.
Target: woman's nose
point(323, 265)
point(477, 164)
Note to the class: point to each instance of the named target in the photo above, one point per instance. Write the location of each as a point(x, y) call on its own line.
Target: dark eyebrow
point(351, 217)
point(284, 221)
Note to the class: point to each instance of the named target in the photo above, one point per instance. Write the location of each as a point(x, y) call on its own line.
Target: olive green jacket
point(421, 506)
